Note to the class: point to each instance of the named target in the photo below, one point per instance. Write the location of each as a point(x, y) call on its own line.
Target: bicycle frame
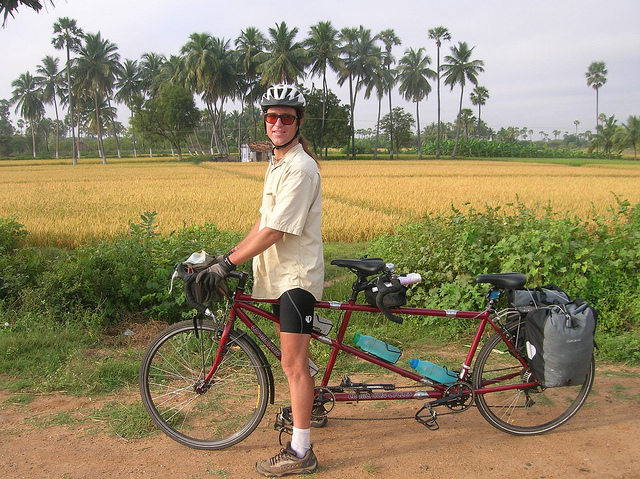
point(244, 303)
point(239, 381)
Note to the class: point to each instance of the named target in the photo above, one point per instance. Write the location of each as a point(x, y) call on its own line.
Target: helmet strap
point(295, 137)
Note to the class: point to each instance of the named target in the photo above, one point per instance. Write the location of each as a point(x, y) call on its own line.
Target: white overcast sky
point(536, 53)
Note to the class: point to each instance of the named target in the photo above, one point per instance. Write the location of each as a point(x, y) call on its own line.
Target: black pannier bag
point(526, 300)
point(560, 343)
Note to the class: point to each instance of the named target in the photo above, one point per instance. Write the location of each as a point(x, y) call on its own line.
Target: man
point(286, 247)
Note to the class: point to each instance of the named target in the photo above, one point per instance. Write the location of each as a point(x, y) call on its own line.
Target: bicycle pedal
point(283, 419)
point(430, 422)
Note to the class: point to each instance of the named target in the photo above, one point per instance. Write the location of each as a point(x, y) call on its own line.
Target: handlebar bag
point(559, 342)
point(391, 300)
point(189, 269)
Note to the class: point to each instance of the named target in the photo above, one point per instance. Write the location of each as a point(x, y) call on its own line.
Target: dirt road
point(602, 441)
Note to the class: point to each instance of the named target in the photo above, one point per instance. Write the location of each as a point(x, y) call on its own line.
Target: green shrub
point(126, 276)
point(597, 260)
point(11, 233)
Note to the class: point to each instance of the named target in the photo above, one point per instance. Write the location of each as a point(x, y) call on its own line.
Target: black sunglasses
point(272, 119)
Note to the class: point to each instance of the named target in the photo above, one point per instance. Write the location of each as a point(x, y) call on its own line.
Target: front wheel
point(522, 411)
point(203, 416)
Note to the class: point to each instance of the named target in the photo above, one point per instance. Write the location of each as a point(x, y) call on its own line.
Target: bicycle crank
point(430, 422)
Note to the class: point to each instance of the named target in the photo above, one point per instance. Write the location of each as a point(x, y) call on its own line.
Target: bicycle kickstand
point(430, 422)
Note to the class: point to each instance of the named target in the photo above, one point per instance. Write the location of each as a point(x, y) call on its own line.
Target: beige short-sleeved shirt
point(291, 203)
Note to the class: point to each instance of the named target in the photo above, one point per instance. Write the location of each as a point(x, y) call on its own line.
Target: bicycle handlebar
point(189, 278)
point(385, 286)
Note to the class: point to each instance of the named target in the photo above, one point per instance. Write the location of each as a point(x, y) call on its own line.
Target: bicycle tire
point(229, 410)
point(522, 412)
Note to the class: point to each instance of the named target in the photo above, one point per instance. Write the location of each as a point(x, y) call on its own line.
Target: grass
point(61, 205)
point(64, 205)
point(128, 421)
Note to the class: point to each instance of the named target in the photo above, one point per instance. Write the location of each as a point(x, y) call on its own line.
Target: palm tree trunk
point(390, 127)
point(115, 134)
point(198, 143)
point(77, 123)
point(351, 102)
point(455, 148)
point(375, 150)
point(239, 143)
point(55, 105)
point(75, 153)
point(438, 127)
point(419, 142)
point(324, 110)
point(100, 143)
point(33, 139)
point(133, 133)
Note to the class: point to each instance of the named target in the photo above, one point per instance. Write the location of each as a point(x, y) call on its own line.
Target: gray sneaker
point(286, 462)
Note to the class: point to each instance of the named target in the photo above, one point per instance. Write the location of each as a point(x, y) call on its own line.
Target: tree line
point(159, 91)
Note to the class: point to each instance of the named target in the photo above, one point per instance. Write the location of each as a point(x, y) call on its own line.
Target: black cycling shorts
point(295, 311)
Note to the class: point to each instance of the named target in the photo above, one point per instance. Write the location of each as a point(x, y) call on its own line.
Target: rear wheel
point(522, 411)
point(203, 416)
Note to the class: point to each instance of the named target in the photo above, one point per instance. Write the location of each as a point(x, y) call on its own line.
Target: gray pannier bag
point(526, 300)
point(560, 342)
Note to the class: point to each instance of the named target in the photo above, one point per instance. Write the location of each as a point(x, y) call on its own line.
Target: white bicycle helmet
point(283, 95)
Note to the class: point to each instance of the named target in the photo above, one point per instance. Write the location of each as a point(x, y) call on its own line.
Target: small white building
point(256, 151)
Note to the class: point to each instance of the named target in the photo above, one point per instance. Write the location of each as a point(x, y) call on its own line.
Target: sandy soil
point(601, 441)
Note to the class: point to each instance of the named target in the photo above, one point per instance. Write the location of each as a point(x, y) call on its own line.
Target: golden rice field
point(60, 204)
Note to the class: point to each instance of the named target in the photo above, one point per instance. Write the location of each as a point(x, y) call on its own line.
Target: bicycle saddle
point(364, 266)
point(503, 280)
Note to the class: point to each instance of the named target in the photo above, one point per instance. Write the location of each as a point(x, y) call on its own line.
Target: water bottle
point(433, 371)
point(376, 347)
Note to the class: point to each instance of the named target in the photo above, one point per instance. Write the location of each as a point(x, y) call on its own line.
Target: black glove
point(214, 274)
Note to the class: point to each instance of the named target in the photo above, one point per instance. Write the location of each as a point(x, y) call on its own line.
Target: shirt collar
point(289, 154)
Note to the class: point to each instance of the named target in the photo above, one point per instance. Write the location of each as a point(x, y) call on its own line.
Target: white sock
point(301, 441)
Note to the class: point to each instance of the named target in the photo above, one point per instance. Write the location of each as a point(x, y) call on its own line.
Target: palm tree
point(389, 39)
point(151, 65)
point(479, 97)
point(172, 70)
point(210, 72)
point(324, 52)
point(96, 70)
point(69, 36)
point(379, 81)
point(28, 99)
point(249, 44)
point(466, 121)
point(7, 7)
point(129, 85)
point(347, 39)
point(414, 75)
point(284, 60)
point(362, 60)
point(50, 83)
point(606, 134)
point(595, 79)
point(629, 135)
point(438, 34)
point(576, 122)
point(458, 69)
